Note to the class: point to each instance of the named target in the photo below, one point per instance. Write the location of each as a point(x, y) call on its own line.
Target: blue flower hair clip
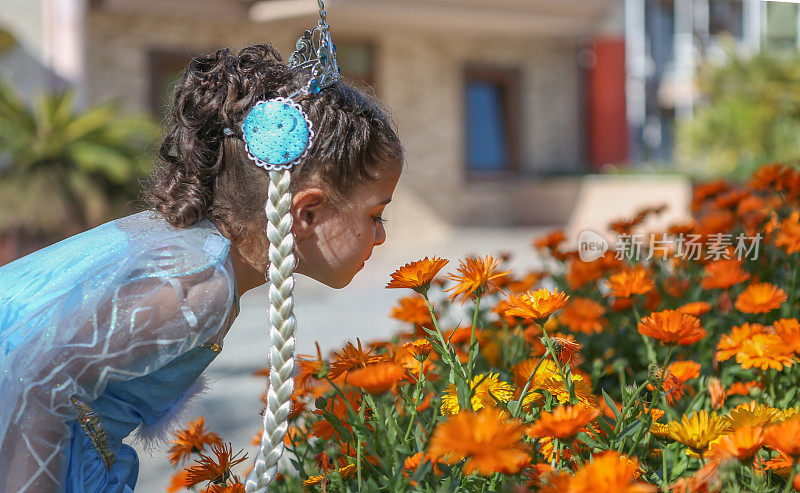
point(277, 132)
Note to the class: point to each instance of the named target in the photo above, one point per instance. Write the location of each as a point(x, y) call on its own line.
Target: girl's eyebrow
point(385, 201)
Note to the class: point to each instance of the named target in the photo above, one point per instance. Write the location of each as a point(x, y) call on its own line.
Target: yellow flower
point(345, 472)
point(698, 431)
point(548, 378)
point(753, 414)
point(483, 385)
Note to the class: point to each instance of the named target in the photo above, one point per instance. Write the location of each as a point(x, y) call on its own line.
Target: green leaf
point(612, 405)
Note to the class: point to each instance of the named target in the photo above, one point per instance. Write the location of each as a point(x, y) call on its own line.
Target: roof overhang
point(551, 18)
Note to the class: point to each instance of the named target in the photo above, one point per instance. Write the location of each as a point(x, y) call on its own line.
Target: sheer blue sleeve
point(111, 304)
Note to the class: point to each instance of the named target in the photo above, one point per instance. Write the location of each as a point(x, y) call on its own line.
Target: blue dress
point(101, 334)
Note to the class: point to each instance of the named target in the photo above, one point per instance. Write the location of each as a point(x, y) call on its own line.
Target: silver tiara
point(315, 49)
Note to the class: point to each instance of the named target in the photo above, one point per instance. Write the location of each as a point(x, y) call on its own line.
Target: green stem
point(472, 341)
point(649, 415)
point(648, 344)
point(568, 385)
point(518, 408)
point(420, 380)
point(627, 407)
point(451, 359)
point(789, 480)
point(445, 344)
point(793, 296)
point(341, 394)
point(358, 447)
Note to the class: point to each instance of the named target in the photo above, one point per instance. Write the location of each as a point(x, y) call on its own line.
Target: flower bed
point(672, 365)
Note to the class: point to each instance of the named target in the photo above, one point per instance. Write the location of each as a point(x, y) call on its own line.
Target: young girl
point(108, 331)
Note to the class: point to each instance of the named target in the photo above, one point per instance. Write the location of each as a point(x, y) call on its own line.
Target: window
point(165, 71)
point(725, 16)
point(356, 62)
point(781, 25)
point(492, 120)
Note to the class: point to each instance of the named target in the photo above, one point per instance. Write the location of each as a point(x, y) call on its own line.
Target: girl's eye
point(379, 219)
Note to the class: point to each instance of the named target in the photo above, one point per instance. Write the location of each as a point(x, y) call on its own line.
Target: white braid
point(281, 333)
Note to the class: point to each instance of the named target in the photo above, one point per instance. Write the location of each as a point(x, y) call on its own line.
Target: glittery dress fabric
point(123, 318)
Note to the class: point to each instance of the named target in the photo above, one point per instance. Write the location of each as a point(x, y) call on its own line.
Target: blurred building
point(667, 39)
point(502, 104)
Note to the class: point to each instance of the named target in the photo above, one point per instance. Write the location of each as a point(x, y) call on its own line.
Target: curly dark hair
point(204, 173)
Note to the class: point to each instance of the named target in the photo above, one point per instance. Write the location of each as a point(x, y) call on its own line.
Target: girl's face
point(332, 244)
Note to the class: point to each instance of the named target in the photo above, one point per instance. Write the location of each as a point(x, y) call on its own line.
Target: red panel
point(608, 127)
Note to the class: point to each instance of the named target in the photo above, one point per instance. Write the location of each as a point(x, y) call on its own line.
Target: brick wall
point(420, 78)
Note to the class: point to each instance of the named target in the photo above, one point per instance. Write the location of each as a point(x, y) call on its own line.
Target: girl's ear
point(308, 207)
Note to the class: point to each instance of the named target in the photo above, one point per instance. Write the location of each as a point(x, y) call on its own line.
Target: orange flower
point(551, 240)
point(672, 385)
point(566, 349)
point(766, 176)
point(338, 407)
point(581, 273)
point(764, 351)
point(695, 308)
point(743, 388)
point(376, 378)
point(217, 469)
point(676, 287)
point(717, 393)
point(564, 422)
point(351, 358)
point(487, 439)
point(460, 334)
point(742, 444)
point(707, 190)
point(227, 488)
point(405, 358)
point(785, 437)
point(536, 305)
point(178, 482)
point(629, 282)
point(716, 222)
point(761, 297)
point(706, 479)
point(789, 235)
point(730, 344)
point(722, 274)
point(412, 463)
point(474, 275)
point(583, 315)
point(413, 309)
point(526, 283)
point(308, 368)
point(420, 347)
point(417, 275)
point(192, 439)
point(672, 327)
point(609, 471)
point(781, 465)
point(684, 370)
point(788, 329)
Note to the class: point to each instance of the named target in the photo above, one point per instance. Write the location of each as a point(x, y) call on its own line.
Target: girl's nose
point(380, 235)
